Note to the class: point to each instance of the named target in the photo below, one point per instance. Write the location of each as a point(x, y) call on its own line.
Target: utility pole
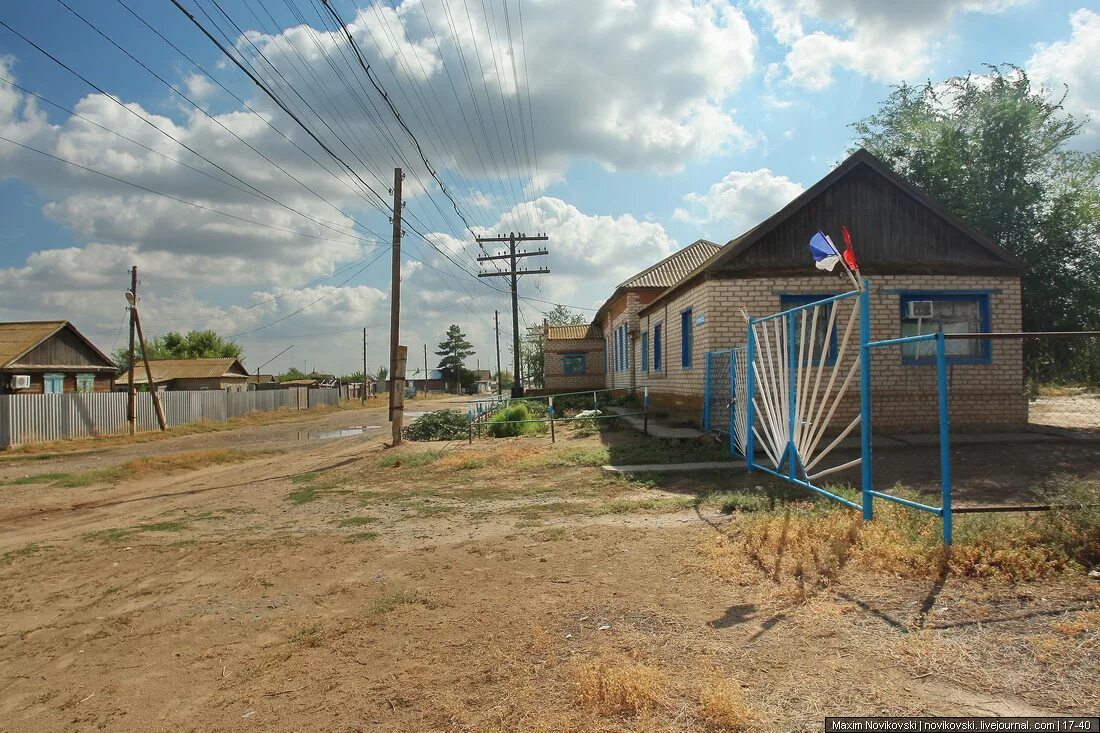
point(363, 389)
point(496, 325)
point(513, 274)
point(131, 390)
point(397, 381)
point(425, 367)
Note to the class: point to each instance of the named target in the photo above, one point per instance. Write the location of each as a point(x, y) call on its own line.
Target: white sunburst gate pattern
point(788, 389)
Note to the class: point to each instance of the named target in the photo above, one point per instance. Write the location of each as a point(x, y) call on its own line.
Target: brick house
point(573, 357)
point(218, 373)
point(51, 357)
point(909, 246)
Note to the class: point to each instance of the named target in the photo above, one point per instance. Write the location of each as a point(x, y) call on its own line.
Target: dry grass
point(722, 708)
point(140, 468)
point(620, 688)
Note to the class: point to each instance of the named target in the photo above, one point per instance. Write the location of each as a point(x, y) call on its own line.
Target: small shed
point(175, 375)
point(51, 357)
point(573, 357)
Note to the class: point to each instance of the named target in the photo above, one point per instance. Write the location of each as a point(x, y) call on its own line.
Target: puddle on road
point(415, 413)
point(332, 434)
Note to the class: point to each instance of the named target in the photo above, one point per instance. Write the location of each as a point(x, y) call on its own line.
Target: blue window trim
point(793, 300)
point(687, 338)
point(574, 354)
point(53, 378)
point(645, 352)
point(981, 296)
point(658, 345)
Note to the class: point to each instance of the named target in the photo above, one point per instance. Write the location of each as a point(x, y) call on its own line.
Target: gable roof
point(165, 370)
point(744, 255)
point(673, 268)
point(19, 337)
point(573, 332)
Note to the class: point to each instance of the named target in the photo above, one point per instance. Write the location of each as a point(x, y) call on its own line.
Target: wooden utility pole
point(131, 390)
point(157, 407)
point(363, 389)
point(425, 367)
point(514, 274)
point(397, 379)
point(496, 325)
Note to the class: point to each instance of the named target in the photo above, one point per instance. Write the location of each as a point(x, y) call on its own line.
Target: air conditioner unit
point(919, 309)
point(21, 381)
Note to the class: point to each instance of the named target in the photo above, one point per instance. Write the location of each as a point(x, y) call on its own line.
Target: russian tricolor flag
point(824, 251)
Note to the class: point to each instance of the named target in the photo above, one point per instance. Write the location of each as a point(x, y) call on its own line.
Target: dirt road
point(268, 579)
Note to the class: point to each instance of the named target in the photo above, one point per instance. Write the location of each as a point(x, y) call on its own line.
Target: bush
point(503, 425)
point(439, 425)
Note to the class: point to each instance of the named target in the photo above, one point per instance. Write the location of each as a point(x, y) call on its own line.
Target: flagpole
point(856, 282)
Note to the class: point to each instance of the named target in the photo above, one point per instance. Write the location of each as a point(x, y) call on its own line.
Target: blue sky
point(654, 122)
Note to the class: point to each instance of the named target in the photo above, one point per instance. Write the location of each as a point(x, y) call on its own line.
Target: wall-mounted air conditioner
point(21, 381)
point(919, 309)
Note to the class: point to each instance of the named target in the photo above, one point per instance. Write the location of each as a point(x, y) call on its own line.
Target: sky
point(623, 129)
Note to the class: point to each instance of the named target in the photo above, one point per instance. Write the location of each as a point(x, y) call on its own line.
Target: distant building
point(51, 357)
point(175, 375)
point(263, 381)
point(433, 383)
point(573, 357)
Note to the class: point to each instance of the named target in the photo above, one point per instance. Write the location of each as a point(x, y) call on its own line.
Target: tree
point(174, 345)
point(354, 377)
point(505, 379)
point(532, 350)
point(381, 374)
point(292, 374)
point(996, 151)
point(453, 351)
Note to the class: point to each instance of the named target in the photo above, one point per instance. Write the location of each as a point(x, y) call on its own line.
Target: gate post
point(706, 393)
point(866, 476)
point(732, 404)
point(792, 377)
point(945, 437)
point(750, 348)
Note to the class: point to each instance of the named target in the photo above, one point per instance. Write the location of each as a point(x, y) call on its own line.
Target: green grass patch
point(551, 534)
point(361, 537)
point(38, 478)
point(358, 521)
point(571, 456)
point(25, 551)
point(435, 510)
point(388, 602)
point(649, 505)
point(411, 459)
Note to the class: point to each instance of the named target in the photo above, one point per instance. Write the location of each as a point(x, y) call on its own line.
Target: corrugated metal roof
point(673, 268)
point(167, 369)
point(574, 332)
point(18, 338)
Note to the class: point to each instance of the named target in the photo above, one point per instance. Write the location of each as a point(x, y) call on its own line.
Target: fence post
point(750, 349)
point(792, 378)
point(550, 409)
point(5, 421)
point(645, 410)
point(732, 404)
point(945, 437)
point(706, 393)
point(470, 425)
point(866, 478)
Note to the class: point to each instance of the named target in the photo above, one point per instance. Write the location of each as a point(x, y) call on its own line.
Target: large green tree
point(453, 351)
point(176, 345)
point(998, 151)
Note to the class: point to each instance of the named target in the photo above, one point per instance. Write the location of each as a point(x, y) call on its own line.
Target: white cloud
point(888, 41)
point(1074, 62)
point(199, 87)
point(742, 199)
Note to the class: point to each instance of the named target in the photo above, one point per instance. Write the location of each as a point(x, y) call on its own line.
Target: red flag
point(849, 254)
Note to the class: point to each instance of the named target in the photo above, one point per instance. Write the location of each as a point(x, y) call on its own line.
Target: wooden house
point(51, 357)
point(175, 375)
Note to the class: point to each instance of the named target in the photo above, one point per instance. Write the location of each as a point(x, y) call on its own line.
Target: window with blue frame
point(53, 383)
point(686, 339)
point(645, 352)
point(822, 334)
point(85, 383)
point(953, 312)
point(657, 343)
point(574, 362)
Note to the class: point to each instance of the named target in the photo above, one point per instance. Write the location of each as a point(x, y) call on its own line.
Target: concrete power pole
point(513, 274)
point(397, 356)
point(363, 389)
point(131, 390)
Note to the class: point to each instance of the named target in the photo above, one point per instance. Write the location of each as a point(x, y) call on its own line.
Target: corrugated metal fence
point(41, 418)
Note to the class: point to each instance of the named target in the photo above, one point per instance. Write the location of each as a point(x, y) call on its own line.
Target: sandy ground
point(334, 585)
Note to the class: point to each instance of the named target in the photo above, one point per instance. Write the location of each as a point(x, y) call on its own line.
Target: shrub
point(439, 425)
point(503, 425)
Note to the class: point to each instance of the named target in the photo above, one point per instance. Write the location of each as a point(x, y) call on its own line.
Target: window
point(574, 362)
point(622, 355)
point(954, 313)
point(657, 346)
point(793, 301)
point(686, 339)
point(85, 383)
point(54, 383)
point(645, 352)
